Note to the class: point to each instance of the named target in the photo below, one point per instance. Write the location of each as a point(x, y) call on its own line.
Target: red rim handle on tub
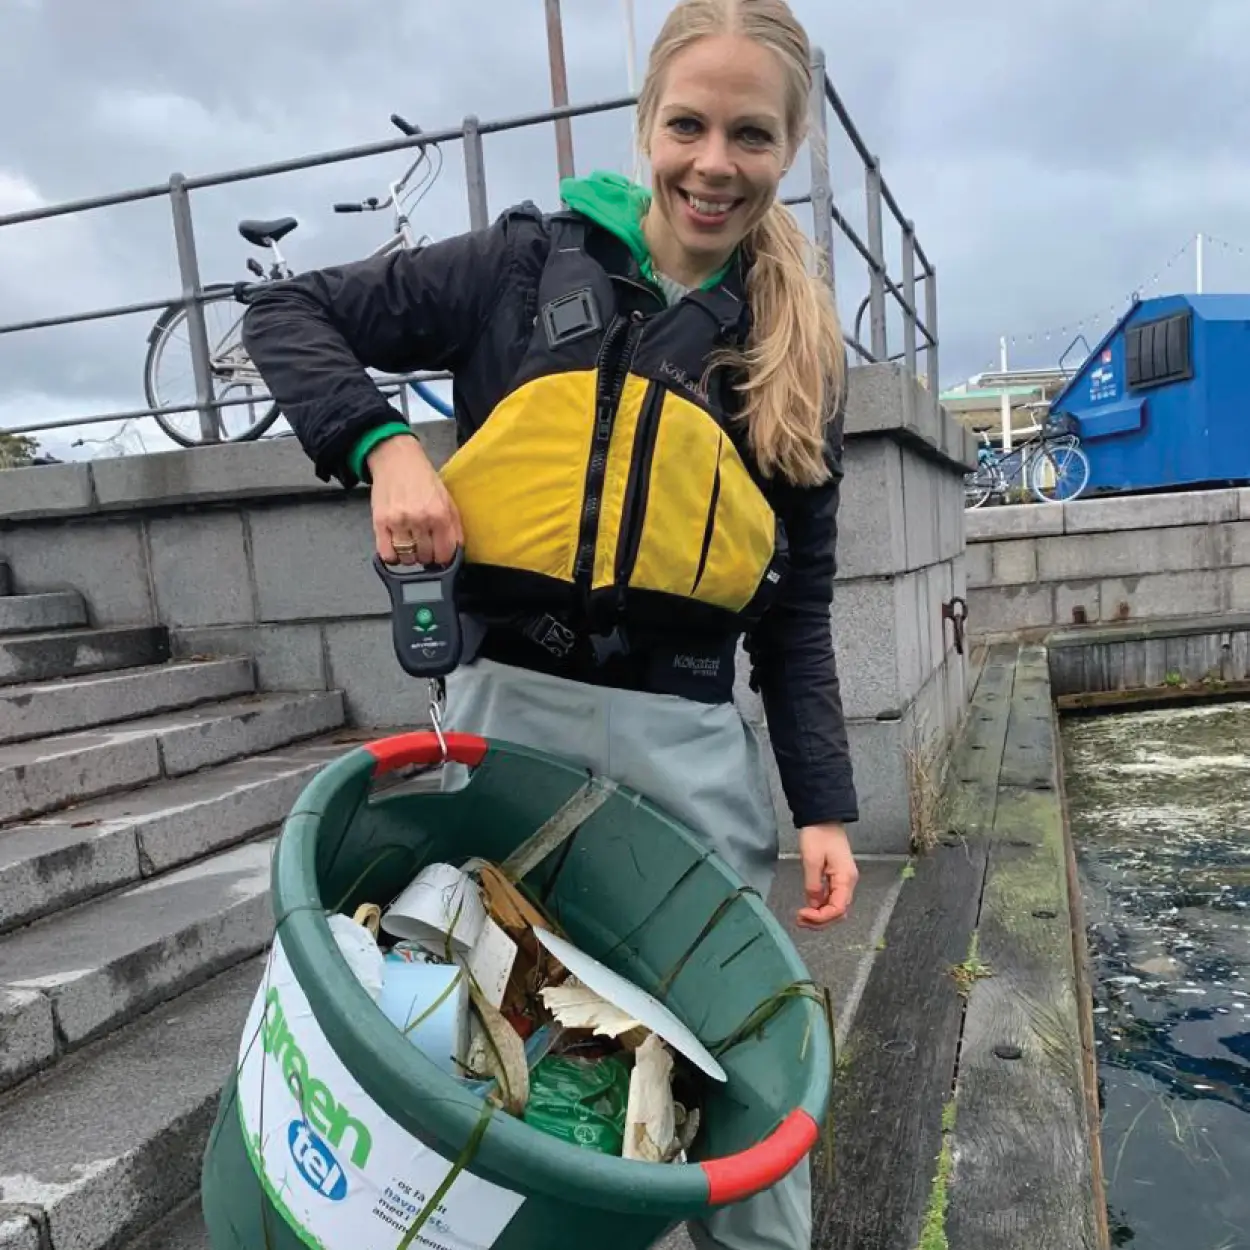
point(761, 1166)
point(424, 747)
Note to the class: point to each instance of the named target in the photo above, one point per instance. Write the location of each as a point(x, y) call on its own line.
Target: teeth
point(710, 208)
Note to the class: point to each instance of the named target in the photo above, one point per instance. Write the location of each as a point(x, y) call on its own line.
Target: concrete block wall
point(1097, 561)
point(238, 550)
point(241, 550)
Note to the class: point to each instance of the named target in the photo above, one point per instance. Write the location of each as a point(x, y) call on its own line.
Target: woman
point(648, 401)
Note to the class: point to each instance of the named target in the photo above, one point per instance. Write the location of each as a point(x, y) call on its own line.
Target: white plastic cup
point(440, 902)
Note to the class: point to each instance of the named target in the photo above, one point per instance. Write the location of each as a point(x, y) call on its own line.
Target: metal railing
point(915, 266)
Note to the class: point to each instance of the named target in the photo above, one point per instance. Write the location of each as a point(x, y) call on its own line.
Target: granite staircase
point(139, 798)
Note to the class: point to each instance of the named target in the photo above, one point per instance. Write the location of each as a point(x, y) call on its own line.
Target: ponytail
point(794, 361)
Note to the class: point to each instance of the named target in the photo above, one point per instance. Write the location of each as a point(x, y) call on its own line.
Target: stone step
point(74, 703)
point(44, 776)
point(112, 1140)
point(102, 964)
point(92, 848)
point(72, 652)
point(21, 1232)
point(30, 614)
point(182, 1229)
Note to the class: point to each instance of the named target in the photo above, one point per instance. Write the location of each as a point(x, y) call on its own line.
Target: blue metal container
point(1161, 402)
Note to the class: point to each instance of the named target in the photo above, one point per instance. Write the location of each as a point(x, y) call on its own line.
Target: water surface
point(1159, 804)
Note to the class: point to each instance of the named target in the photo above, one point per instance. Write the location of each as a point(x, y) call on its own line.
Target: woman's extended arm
point(795, 671)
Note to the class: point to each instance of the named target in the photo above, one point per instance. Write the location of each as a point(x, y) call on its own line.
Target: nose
point(714, 160)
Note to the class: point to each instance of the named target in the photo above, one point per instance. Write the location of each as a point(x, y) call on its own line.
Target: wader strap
point(690, 666)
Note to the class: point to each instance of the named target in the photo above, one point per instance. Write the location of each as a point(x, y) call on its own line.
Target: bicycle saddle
point(258, 231)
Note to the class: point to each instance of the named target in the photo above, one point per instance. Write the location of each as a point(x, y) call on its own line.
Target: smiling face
point(718, 147)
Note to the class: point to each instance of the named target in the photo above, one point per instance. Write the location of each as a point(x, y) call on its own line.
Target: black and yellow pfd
point(609, 484)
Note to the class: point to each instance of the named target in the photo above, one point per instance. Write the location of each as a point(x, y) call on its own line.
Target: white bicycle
point(168, 375)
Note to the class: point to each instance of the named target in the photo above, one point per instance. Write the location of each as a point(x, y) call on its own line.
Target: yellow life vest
point(609, 484)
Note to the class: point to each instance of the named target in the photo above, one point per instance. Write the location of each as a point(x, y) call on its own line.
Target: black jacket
point(467, 305)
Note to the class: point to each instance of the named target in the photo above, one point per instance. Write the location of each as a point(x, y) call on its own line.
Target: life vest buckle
point(552, 635)
point(571, 317)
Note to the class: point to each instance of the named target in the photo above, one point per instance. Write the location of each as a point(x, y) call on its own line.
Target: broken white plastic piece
point(490, 961)
point(636, 1004)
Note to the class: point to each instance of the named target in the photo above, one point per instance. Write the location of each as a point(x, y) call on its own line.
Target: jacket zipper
point(613, 368)
point(638, 484)
point(710, 527)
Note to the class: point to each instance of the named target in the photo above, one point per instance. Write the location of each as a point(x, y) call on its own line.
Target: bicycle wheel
point(978, 487)
point(169, 379)
point(1060, 472)
point(433, 399)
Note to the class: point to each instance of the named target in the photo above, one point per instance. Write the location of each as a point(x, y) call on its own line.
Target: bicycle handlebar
point(349, 208)
point(406, 126)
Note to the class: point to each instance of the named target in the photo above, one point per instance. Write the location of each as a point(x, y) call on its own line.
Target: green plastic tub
point(335, 1132)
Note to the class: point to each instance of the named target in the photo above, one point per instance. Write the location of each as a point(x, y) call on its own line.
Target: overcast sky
point(1054, 156)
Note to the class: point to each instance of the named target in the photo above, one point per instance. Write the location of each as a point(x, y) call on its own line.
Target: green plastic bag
point(582, 1101)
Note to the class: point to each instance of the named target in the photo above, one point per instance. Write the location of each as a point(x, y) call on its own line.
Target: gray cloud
point(1053, 156)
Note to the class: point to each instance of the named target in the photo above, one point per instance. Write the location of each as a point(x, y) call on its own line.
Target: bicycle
point(1051, 463)
point(230, 368)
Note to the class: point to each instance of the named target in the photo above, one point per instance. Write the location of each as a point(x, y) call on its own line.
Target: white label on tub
point(341, 1171)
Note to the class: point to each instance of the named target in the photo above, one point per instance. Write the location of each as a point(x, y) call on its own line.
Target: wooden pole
point(559, 88)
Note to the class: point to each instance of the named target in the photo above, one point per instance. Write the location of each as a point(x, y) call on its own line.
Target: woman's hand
point(829, 874)
point(414, 518)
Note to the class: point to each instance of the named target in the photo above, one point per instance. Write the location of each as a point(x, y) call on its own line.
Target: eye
point(756, 137)
point(684, 126)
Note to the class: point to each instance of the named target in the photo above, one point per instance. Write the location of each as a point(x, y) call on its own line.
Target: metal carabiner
point(438, 705)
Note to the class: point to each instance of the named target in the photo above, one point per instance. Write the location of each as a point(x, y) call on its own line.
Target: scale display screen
point(422, 592)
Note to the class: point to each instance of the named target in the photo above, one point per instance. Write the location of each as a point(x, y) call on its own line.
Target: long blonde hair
point(794, 360)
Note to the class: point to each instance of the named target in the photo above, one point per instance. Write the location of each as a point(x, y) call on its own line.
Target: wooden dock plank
point(1029, 752)
point(973, 778)
point(897, 1067)
point(1020, 1143)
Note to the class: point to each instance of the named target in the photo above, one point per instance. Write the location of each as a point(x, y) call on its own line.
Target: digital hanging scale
point(425, 622)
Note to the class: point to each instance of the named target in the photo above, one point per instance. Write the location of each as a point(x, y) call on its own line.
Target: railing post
point(876, 245)
point(931, 324)
point(818, 148)
point(909, 294)
point(559, 88)
point(475, 174)
point(189, 269)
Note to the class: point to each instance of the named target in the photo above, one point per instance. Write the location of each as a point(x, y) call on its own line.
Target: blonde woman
point(648, 391)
